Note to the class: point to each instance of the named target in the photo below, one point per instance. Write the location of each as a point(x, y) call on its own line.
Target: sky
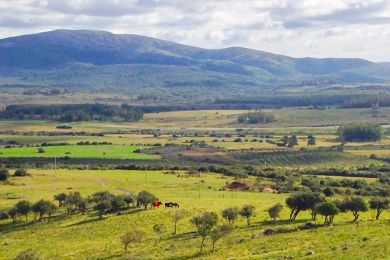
point(298, 28)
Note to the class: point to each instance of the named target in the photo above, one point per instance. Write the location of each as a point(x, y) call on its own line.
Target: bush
point(4, 174)
point(20, 172)
point(328, 210)
point(360, 132)
point(28, 254)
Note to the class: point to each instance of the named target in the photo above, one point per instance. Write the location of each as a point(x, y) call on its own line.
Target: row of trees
point(317, 204)
point(102, 202)
point(72, 112)
point(258, 117)
point(360, 132)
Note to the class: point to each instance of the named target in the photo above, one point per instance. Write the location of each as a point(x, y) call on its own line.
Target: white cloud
point(337, 28)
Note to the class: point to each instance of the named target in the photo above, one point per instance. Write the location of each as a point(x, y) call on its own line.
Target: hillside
point(98, 60)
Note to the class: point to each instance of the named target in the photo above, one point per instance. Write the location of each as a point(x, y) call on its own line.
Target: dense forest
point(72, 113)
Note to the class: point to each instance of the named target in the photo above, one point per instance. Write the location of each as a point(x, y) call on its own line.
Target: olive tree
point(13, 213)
point(23, 207)
point(204, 223)
point(218, 232)
point(61, 197)
point(230, 214)
point(131, 236)
point(102, 206)
point(379, 204)
point(247, 212)
point(328, 210)
point(144, 198)
point(177, 215)
point(43, 207)
point(354, 204)
point(303, 201)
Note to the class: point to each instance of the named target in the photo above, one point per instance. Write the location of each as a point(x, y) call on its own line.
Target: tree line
point(72, 112)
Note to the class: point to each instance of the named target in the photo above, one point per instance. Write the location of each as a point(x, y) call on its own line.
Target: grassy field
point(297, 119)
point(78, 151)
point(86, 237)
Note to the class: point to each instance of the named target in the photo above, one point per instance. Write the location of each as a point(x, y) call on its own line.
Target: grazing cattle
point(171, 205)
point(156, 204)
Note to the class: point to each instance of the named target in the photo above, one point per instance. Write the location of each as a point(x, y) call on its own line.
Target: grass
point(84, 236)
point(78, 151)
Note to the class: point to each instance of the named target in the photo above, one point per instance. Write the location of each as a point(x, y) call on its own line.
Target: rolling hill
point(102, 60)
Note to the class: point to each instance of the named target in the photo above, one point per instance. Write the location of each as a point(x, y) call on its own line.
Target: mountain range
point(102, 60)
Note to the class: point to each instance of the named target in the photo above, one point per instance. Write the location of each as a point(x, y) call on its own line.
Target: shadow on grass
point(92, 220)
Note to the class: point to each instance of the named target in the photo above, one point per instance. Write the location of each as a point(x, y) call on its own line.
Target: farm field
point(77, 151)
point(80, 236)
point(297, 119)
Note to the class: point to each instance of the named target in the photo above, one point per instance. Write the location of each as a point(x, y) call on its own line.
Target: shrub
point(20, 172)
point(28, 254)
point(4, 174)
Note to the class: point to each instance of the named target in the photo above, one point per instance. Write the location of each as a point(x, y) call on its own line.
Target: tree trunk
point(26, 217)
point(378, 213)
point(356, 215)
point(248, 221)
point(214, 246)
point(174, 231)
point(202, 244)
point(292, 214)
point(126, 249)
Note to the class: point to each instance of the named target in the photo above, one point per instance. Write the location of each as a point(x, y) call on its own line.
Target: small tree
point(52, 209)
point(379, 204)
point(293, 140)
point(23, 207)
point(61, 197)
point(4, 174)
point(303, 201)
point(41, 150)
point(274, 211)
point(3, 215)
point(311, 140)
point(328, 210)
point(117, 203)
point(230, 214)
point(176, 217)
point(42, 207)
point(82, 206)
point(131, 236)
point(13, 213)
point(204, 223)
point(353, 204)
point(159, 229)
point(102, 206)
point(144, 198)
point(218, 232)
point(247, 212)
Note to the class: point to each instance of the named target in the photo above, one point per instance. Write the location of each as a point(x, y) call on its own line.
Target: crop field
point(85, 236)
point(77, 151)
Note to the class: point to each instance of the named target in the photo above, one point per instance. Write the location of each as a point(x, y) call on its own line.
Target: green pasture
point(86, 237)
point(78, 151)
